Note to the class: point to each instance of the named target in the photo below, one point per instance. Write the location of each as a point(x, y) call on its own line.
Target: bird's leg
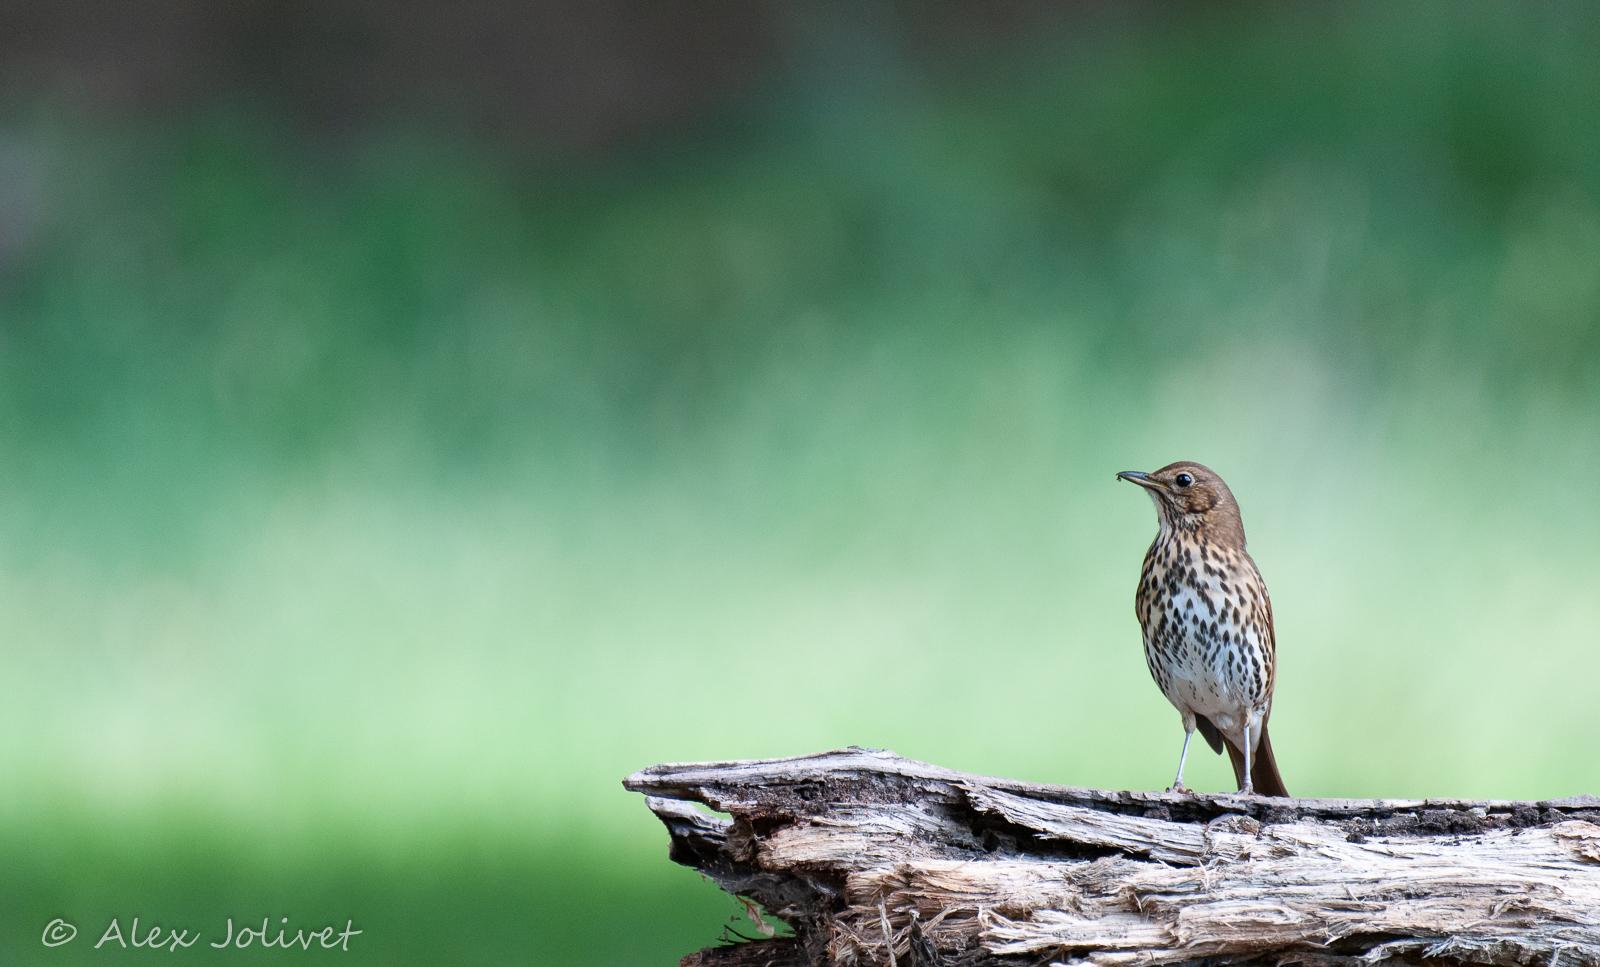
point(1177, 784)
point(1247, 788)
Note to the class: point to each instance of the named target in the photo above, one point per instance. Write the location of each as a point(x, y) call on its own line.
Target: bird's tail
point(1263, 767)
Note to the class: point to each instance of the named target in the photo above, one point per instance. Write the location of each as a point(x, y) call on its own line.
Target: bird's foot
point(1178, 787)
point(1247, 790)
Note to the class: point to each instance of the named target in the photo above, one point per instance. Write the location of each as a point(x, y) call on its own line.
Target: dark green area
point(442, 895)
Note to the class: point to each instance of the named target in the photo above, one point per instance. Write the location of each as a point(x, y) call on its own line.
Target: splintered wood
point(875, 859)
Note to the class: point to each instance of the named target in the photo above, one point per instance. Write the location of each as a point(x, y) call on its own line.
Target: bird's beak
point(1141, 478)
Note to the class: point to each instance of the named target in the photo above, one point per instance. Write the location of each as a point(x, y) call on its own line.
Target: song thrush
point(1207, 622)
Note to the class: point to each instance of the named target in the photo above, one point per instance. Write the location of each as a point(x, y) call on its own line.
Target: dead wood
point(875, 859)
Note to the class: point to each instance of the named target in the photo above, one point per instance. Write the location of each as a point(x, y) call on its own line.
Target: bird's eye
point(1183, 480)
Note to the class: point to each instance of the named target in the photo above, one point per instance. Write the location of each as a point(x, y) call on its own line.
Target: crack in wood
point(876, 859)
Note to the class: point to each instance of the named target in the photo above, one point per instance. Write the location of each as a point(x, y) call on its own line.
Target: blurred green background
point(413, 423)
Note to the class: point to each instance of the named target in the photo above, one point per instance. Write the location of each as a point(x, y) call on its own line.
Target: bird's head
point(1190, 496)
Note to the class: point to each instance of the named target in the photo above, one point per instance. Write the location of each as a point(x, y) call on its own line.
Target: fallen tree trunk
point(875, 859)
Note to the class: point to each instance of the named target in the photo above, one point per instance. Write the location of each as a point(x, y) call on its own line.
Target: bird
point(1207, 622)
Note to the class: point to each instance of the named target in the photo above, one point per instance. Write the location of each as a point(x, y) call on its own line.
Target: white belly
point(1200, 668)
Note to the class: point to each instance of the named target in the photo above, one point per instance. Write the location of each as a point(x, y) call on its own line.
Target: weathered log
point(875, 859)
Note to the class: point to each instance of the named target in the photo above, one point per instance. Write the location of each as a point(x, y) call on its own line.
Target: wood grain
point(876, 859)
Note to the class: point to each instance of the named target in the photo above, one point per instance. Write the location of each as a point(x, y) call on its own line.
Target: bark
point(875, 859)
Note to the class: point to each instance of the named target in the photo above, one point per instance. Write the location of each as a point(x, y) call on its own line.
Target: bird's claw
point(1178, 787)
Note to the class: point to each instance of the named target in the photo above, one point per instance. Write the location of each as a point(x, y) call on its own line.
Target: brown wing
point(1269, 635)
